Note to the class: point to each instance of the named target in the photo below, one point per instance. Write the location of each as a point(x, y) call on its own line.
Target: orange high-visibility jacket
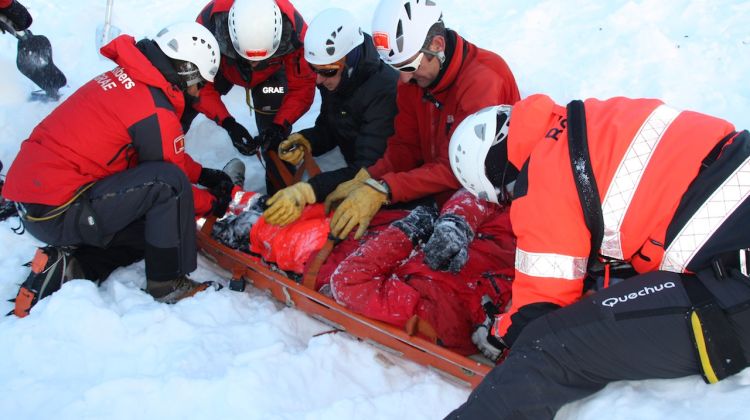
point(644, 156)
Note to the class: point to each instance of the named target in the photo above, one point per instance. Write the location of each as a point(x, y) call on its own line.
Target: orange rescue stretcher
point(387, 338)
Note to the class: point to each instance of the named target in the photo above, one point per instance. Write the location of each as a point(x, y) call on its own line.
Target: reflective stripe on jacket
point(644, 156)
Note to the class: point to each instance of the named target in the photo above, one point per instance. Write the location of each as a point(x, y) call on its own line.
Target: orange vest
point(644, 156)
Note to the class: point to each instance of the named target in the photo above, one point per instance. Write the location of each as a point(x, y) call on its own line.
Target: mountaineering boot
point(235, 168)
point(50, 268)
point(173, 291)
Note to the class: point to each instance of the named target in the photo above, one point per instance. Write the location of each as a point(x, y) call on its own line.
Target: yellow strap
point(700, 341)
point(57, 211)
point(252, 108)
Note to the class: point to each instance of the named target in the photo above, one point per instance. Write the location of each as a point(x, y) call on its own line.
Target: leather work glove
point(241, 138)
point(18, 16)
point(448, 247)
point(358, 208)
point(272, 136)
point(292, 150)
point(286, 205)
point(492, 347)
point(346, 187)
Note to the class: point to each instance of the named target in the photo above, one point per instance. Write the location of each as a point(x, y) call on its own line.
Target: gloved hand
point(221, 202)
point(220, 185)
point(292, 150)
point(272, 136)
point(18, 15)
point(286, 205)
point(448, 247)
point(214, 178)
point(241, 138)
point(358, 208)
point(343, 189)
point(418, 224)
point(491, 346)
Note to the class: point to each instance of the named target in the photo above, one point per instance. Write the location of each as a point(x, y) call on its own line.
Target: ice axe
point(106, 32)
point(34, 59)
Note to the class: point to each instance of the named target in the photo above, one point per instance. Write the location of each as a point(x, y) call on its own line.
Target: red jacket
point(300, 79)
point(107, 126)
point(415, 163)
point(5, 3)
point(644, 156)
point(386, 278)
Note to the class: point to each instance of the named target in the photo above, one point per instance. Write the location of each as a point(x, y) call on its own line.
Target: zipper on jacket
point(122, 149)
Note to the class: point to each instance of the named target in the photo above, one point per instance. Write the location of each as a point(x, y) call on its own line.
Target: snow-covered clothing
point(386, 278)
point(415, 163)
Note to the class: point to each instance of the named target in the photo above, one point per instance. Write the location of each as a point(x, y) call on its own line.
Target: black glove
point(18, 15)
point(241, 138)
point(221, 202)
point(418, 224)
point(272, 136)
point(448, 247)
point(214, 178)
point(220, 186)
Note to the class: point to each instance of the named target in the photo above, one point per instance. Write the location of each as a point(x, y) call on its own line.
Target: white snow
point(112, 352)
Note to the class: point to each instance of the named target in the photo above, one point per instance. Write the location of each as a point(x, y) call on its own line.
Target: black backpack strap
point(583, 174)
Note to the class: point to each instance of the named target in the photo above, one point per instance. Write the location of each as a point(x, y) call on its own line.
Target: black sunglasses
point(329, 72)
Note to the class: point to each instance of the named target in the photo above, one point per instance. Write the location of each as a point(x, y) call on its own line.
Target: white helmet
point(331, 36)
point(470, 145)
point(399, 27)
point(255, 28)
point(191, 43)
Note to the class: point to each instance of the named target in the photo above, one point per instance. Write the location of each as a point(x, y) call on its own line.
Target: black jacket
point(357, 117)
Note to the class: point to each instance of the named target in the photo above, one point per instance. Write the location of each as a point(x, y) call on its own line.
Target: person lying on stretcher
point(419, 265)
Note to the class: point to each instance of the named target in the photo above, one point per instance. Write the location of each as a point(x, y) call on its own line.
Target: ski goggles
point(326, 70)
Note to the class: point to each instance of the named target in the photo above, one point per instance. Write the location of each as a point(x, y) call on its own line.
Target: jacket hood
point(529, 122)
point(367, 63)
point(124, 51)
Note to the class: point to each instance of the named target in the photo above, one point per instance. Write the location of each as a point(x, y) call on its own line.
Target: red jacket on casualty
point(300, 79)
point(385, 278)
point(644, 156)
point(124, 116)
point(415, 163)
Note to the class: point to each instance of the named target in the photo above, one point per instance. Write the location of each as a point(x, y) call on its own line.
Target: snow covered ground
point(112, 352)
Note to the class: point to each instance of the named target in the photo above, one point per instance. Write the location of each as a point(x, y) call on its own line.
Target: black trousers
point(144, 212)
point(637, 329)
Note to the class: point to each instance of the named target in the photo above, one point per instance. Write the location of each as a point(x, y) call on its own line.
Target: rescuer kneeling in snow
point(105, 179)
point(598, 186)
